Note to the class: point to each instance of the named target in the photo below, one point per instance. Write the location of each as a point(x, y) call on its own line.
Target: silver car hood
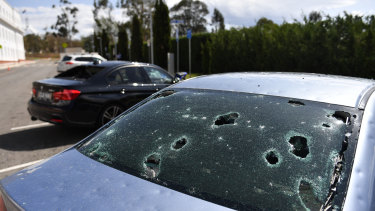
point(72, 181)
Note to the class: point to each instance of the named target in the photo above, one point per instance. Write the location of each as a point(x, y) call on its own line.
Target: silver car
point(244, 141)
point(72, 60)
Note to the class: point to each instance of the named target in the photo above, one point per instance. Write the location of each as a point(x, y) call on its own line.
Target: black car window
point(247, 152)
point(158, 76)
point(132, 75)
point(80, 72)
point(114, 78)
point(84, 59)
point(66, 58)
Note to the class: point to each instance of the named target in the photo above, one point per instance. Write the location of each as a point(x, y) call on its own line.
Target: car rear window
point(66, 58)
point(84, 59)
point(80, 72)
point(243, 151)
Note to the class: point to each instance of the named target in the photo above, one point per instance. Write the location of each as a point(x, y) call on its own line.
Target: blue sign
point(177, 21)
point(188, 34)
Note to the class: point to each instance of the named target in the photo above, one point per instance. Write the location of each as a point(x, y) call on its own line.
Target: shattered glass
point(240, 150)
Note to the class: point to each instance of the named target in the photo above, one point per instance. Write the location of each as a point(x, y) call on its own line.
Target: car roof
point(120, 63)
point(83, 55)
point(340, 90)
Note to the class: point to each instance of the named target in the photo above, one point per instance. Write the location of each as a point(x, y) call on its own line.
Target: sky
point(237, 13)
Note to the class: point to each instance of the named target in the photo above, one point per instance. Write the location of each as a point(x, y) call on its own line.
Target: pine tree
point(136, 40)
point(105, 44)
point(217, 20)
point(122, 47)
point(162, 29)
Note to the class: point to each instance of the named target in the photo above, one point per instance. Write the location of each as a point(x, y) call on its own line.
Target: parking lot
point(23, 141)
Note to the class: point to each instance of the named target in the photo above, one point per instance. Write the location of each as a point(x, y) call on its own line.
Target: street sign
point(65, 45)
point(177, 21)
point(188, 34)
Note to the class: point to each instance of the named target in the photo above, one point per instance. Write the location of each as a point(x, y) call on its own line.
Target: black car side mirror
point(179, 76)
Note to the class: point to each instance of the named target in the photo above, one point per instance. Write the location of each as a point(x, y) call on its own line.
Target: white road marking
point(31, 126)
point(19, 166)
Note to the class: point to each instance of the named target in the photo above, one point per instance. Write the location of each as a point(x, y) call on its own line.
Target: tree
point(193, 13)
point(136, 40)
point(106, 28)
point(106, 53)
point(87, 43)
point(217, 20)
point(264, 21)
point(122, 47)
point(141, 9)
point(65, 25)
point(51, 43)
point(33, 43)
point(315, 16)
point(162, 30)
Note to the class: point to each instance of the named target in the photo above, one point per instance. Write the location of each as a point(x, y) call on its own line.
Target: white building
point(11, 34)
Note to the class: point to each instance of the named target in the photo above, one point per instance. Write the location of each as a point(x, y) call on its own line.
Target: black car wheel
point(109, 113)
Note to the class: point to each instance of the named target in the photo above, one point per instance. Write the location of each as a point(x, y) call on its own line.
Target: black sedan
point(92, 95)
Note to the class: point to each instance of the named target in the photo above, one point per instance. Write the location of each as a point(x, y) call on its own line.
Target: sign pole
point(190, 58)
point(178, 52)
point(189, 37)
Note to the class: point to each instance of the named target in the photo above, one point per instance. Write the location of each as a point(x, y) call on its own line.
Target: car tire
point(108, 113)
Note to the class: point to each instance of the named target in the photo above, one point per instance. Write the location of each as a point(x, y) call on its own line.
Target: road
point(21, 139)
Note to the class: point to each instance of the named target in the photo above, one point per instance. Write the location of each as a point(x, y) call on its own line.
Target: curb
point(10, 65)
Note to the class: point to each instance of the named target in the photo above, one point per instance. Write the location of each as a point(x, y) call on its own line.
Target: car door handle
point(123, 91)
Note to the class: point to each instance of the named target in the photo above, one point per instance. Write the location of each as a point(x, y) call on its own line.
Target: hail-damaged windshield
point(243, 151)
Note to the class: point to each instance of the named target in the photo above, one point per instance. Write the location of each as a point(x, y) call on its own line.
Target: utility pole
point(178, 51)
point(177, 22)
point(151, 37)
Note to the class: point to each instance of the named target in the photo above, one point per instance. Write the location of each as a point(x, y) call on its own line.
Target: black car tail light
point(56, 120)
point(66, 95)
point(34, 92)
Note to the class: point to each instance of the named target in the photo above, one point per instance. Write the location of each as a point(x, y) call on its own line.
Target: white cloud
point(239, 12)
point(41, 18)
point(236, 12)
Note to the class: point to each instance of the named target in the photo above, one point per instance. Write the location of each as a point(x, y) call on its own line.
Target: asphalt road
point(21, 139)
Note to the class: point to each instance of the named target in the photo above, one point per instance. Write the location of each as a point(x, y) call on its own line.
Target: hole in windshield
point(299, 146)
point(226, 119)
point(164, 94)
point(326, 125)
point(342, 116)
point(179, 144)
point(296, 103)
point(272, 158)
point(152, 165)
